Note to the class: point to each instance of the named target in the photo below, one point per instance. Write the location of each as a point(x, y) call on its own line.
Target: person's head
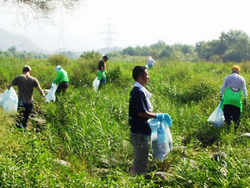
point(236, 69)
point(140, 74)
point(105, 58)
point(58, 67)
point(26, 69)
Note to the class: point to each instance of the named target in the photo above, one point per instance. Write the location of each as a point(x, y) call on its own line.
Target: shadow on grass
point(207, 135)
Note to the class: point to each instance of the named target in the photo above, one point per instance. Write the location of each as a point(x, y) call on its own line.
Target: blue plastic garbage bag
point(217, 117)
point(162, 142)
point(9, 100)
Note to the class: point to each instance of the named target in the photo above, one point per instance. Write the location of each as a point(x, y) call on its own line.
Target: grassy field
point(89, 130)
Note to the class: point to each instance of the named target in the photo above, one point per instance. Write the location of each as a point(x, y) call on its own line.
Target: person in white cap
point(25, 83)
point(61, 79)
point(151, 62)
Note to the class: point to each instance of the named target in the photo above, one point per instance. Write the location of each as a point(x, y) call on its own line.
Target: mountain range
point(21, 43)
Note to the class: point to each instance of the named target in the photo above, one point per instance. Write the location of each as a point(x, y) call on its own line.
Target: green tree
point(238, 46)
point(129, 51)
point(41, 9)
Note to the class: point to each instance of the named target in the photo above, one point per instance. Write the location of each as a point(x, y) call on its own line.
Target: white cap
point(58, 67)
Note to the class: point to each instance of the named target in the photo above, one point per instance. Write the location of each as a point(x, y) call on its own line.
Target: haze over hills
point(21, 43)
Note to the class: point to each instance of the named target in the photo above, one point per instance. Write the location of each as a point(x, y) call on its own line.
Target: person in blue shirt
point(140, 110)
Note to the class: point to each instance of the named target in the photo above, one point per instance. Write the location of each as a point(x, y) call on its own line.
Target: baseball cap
point(26, 68)
point(105, 57)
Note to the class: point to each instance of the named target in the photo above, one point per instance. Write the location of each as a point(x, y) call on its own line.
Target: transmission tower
point(61, 39)
point(109, 35)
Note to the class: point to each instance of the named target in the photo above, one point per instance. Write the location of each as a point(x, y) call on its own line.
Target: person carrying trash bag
point(151, 62)
point(61, 79)
point(25, 83)
point(140, 110)
point(231, 95)
point(102, 73)
point(162, 142)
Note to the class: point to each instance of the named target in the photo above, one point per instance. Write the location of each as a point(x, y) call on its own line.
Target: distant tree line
point(12, 52)
point(232, 46)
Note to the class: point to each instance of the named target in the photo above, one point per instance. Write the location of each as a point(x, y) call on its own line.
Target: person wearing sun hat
point(231, 92)
point(61, 79)
point(25, 83)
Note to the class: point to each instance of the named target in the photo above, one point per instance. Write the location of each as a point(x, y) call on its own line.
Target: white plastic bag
point(9, 100)
point(217, 117)
point(162, 142)
point(96, 83)
point(51, 94)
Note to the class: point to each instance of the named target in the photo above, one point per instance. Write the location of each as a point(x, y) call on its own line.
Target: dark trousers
point(62, 87)
point(24, 113)
point(232, 113)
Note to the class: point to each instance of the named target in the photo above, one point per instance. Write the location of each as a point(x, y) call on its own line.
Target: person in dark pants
point(25, 83)
point(61, 79)
point(231, 94)
point(140, 110)
point(102, 73)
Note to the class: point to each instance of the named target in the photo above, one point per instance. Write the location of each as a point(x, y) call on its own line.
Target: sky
point(130, 23)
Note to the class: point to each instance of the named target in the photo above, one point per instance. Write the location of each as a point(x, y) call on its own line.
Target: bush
point(58, 60)
point(197, 92)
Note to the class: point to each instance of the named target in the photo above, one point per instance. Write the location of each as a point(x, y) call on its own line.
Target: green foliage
point(91, 55)
point(114, 75)
point(198, 92)
point(58, 60)
point(89, 130)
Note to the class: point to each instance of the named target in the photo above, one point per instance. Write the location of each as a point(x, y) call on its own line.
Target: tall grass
point(90, 129)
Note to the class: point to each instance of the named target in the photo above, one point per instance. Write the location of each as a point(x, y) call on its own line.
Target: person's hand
point(159, 116)
point(168, 119)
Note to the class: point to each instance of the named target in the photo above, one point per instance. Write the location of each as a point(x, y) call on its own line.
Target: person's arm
point(40, 90)
point(222, 89)
point(244, 88)
point(58, 77)
point(147, 114)
point(9, 86)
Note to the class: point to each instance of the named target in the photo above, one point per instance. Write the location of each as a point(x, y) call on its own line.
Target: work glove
point(159, 116)
point(168, 119)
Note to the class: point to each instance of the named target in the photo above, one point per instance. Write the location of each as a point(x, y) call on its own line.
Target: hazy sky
point(133, 22)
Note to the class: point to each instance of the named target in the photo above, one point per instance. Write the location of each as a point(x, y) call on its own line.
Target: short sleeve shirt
point(101, 64)
point(25, 86)
point(138, 104)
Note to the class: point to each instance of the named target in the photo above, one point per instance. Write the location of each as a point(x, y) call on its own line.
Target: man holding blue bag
point(231, 93)
point(140, 110)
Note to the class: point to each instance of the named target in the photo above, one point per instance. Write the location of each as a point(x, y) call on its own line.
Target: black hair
point(138, 71)
point(26, 68)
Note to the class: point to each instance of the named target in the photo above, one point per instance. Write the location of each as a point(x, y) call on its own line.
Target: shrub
point(197, 92)
point(58, 60)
